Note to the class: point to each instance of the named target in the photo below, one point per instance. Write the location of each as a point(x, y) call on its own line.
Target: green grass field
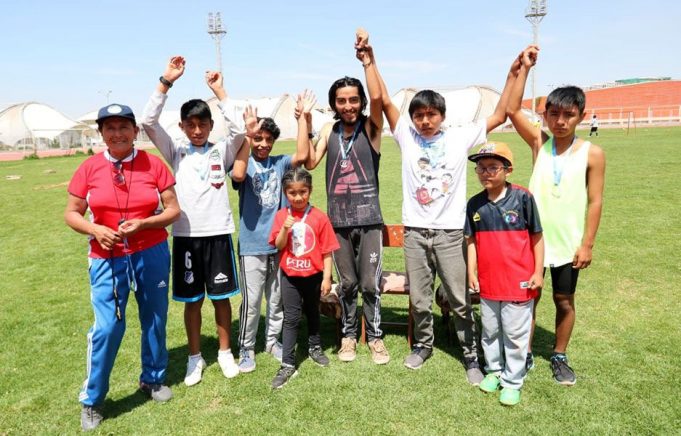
point(625, 347)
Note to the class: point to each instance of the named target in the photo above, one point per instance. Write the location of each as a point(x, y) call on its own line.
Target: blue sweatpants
point(147, 273)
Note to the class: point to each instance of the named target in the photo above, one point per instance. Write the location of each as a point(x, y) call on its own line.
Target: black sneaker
point(156, 391)
point(473, 373)
point(284, 374)
point(90, 417)
point(419, 354)
point(317, 355)
point(562, 373)
point(529, 361)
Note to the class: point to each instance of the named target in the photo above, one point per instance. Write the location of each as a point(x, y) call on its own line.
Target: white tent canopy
point(464, 105)
point(38, 126)
point(280, 109)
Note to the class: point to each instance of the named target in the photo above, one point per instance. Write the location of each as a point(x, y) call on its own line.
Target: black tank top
point(352, 180)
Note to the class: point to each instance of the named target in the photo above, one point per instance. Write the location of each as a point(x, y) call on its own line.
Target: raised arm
point(373, 86)
point(499, 115)
point(319, 150)
point(215, 82)
point(238, 173)
point(152, 111)
point(530, 133)
point(304, 104)
point(392, 113)
point(595, 180)
point(235, 132)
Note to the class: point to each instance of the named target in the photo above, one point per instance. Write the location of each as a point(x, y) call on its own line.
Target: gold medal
point(555, 191)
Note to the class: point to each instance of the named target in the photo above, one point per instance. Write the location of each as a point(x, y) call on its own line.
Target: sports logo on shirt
point(511, 217)
point(216, 173)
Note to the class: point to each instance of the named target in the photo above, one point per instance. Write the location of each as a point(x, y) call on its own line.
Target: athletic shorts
point(564, 279)
point(204, 265)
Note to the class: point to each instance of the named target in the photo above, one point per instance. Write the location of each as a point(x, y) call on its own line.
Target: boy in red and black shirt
point(505, 264)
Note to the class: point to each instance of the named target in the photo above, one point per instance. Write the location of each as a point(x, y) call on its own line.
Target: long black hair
point(342, 83)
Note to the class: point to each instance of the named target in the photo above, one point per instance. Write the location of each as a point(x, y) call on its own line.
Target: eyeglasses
point(118, 176)
point(493, 170)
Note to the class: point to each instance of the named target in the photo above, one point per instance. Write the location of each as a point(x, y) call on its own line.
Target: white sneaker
point(194, 371)
point(229, 367)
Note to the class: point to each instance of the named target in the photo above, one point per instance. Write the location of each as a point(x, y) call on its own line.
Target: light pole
point(217, 32)
point(534, 13)
point(105, 93)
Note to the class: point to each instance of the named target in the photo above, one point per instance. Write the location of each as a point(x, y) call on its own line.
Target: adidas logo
point(162, 284)
point(220, 278)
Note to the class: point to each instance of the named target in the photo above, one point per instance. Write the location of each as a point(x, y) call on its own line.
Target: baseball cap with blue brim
point(497, 150)
point(115, 110)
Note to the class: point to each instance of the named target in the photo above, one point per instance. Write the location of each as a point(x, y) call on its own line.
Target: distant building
point(641, 100)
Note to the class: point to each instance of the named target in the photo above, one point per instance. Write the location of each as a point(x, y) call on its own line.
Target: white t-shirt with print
point(200, 172)
point(434, 174)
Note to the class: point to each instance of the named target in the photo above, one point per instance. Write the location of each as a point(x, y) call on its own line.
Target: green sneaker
point(490, 383)
point(509, 396)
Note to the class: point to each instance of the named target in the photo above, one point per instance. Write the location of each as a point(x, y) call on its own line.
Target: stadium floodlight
point(106, 93)
point(534, 13)
point(217, 32)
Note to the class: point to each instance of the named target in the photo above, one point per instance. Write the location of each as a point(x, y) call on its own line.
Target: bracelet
point(166, 82)
point(367, 64)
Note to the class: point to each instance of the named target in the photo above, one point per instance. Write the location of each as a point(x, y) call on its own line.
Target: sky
point(74, 55)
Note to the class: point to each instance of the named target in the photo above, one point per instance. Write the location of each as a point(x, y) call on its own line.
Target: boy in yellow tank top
point(567, 182)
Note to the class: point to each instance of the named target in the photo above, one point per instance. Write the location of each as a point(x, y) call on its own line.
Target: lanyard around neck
point(307, 211)
point(345, 149)
point(558, 169)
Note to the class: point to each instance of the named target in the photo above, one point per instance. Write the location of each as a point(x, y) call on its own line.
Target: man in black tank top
point(353, 144)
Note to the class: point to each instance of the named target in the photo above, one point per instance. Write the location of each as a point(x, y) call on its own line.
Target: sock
point(195, 356)
point(227, 352)
point(560, 356)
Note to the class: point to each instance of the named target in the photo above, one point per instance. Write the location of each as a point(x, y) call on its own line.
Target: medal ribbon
point(558, 169)
point(345, 149)
point(200, 165)
point(307, 211)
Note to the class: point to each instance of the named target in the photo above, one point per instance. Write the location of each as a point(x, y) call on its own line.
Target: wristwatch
point(166, 82)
